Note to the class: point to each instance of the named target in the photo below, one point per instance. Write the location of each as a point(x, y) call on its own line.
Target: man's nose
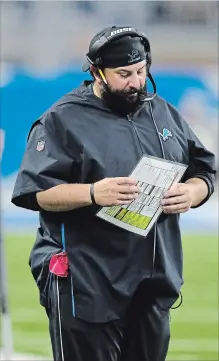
point(134, 82)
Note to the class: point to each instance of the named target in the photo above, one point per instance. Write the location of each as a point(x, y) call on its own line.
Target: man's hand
point(107, 192)
point(182, 196)
point(178, 199)
point(115, 191)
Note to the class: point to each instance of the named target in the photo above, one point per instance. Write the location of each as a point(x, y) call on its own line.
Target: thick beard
point(123, 102)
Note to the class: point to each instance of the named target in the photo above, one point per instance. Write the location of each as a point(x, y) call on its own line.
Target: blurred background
point(43, 44)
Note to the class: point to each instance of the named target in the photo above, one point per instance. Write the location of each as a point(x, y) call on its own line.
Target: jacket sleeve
point(46, 163)
point(201, 161)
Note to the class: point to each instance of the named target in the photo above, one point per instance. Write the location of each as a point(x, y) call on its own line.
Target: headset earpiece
point(98, 61)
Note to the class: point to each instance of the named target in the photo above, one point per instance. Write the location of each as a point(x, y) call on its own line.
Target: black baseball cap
point(116, 46)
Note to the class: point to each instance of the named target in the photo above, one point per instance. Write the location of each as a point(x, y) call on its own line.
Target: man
point(113, 303)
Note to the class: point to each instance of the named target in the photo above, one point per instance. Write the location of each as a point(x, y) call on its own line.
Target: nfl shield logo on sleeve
point(40, 145)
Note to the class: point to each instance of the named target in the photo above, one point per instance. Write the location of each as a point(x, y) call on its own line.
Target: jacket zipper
point(155, 226)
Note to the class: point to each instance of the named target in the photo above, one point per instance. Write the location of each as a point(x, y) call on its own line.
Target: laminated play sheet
point(154, 177)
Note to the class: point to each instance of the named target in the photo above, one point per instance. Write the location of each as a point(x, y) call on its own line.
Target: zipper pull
point(128, 117)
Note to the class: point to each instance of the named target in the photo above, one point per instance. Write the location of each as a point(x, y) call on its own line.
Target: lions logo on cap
point(133, 56)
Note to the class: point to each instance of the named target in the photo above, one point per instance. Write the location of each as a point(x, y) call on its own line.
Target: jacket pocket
point(44, 284)
point(44, 248)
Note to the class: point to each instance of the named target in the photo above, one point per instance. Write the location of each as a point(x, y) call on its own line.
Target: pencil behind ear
point(98, 73)
point(102, 75)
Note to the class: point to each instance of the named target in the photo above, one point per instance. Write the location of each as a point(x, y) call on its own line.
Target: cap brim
point(86, 66)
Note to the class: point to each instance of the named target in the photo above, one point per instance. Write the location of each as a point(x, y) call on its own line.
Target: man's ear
point(95, 73)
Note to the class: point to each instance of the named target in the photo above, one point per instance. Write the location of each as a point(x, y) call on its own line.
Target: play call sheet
point(154, 177)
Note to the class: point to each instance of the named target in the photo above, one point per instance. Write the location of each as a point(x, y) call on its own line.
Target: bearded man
point(107, 291)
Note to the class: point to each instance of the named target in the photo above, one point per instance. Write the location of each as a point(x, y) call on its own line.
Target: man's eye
point(124, 75)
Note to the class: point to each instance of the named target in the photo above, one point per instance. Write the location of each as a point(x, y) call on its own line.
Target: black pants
point(142, 335)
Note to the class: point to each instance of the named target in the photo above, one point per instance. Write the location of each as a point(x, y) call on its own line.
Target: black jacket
point(84, 142)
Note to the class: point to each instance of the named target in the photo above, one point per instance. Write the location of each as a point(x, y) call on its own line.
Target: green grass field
point(194, 325)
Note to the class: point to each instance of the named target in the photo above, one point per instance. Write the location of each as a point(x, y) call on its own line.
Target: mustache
point(138, 91)
point(134, 91)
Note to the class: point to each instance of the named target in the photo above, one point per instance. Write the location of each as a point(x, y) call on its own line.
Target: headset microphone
point(150, 96)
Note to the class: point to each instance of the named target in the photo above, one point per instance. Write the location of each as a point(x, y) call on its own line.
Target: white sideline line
point(190, 345)
point(184, 357)
point(199, 316)
point(176, 345)
point(20, 357)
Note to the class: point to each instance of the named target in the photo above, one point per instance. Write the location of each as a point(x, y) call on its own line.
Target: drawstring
point(59, 314)
point(72, 287)
point(164, 157)
point(180, 303)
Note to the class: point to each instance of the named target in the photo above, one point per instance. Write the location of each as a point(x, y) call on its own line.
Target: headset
point(94, 57)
